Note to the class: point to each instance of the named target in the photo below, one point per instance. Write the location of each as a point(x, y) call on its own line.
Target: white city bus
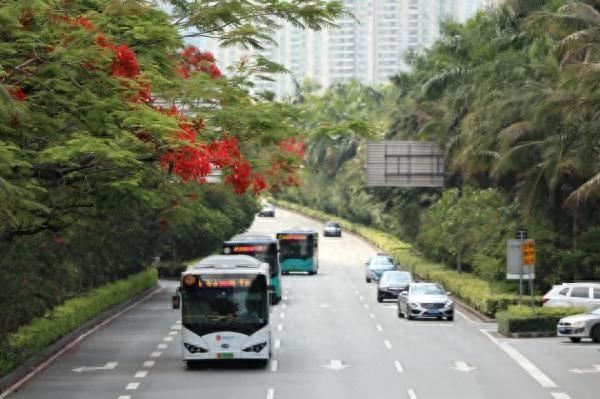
point(225, 309)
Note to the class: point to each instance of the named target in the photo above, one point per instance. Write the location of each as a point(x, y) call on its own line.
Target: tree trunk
point(458, 262)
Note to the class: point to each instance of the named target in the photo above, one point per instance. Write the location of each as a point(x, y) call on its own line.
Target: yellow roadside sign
point(528, 252)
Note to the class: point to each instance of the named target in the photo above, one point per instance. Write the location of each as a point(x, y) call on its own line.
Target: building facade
point(369, 46)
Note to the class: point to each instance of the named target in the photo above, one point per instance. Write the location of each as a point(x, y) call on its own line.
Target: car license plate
point(433, 311)
point(563, 330)
point(225, 355)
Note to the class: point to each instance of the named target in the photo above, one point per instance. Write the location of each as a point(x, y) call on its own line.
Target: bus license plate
point(225, 355)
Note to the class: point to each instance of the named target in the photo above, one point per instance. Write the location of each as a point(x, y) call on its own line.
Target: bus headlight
point(193, 348)
point(255, 348)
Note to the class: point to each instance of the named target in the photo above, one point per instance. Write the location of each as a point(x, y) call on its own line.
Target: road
point(332, 340)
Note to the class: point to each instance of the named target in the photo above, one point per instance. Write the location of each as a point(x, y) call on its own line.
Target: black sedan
point(267, 210)
point(392, 283)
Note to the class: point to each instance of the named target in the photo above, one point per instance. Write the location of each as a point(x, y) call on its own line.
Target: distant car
point(425, 300)
point(332, 229)
point(573, 294)
point(267, 210)
point(392, 283)
point(378, 264)
point(586, 325)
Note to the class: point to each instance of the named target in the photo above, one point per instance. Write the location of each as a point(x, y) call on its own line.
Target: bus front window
point(296, 249)
point(225, 303)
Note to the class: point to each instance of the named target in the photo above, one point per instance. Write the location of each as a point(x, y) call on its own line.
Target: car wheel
point(368, 280)
point(450, 318)
point(575, 339)
point(409, 316)
point(596, 333)
point(379, 298)
point(400, 314)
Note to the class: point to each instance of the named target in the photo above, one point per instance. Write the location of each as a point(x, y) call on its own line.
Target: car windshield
point(391, 277)
point(332, 224)
point(595, 311)
point(428, 289)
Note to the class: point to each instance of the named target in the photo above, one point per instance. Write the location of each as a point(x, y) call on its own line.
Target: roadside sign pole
point(521, 235)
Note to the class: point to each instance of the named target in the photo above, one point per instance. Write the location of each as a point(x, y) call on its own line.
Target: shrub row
point(525, 319)
point(470, 289)
point(41, 332)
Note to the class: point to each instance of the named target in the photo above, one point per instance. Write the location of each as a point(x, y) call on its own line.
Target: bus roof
point(251, 238)
point(297, 231)
point(229, 264)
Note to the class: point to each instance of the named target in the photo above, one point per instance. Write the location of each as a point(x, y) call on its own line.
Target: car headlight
point(578, 324)
point(255, 348)
point(194, 349)
point(413, 305)
point(449, 303)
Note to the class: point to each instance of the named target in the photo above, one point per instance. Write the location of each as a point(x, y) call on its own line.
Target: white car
point(580, 326)
point(573, 294)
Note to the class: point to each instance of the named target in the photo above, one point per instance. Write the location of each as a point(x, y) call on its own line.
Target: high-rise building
point(368, 46)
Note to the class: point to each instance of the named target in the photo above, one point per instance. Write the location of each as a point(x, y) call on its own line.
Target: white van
point(574, 294)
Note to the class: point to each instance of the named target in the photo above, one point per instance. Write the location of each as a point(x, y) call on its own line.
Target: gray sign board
point(514, 262)
point(404, 164)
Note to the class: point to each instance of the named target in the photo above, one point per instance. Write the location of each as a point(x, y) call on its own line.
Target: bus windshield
point(237, 303)
point(264, 252)
point(299, 248)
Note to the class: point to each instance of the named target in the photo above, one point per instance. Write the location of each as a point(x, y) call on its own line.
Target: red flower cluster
point(125, 63)
point(195, 60)
point(293, 146)
point(17, 94)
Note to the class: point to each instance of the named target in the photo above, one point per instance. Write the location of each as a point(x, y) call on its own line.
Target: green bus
point(298, 251)
point(263, 248)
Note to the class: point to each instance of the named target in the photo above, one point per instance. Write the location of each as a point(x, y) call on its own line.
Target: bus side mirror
point(271, 289)
point(176, 301)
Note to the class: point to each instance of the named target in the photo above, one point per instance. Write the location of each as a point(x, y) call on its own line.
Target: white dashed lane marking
point(277, 343)
point(173, 332)
point(168, 339)
point(132, 386)
point(280, 327)
point(387, 344)
point(140, 374)
point(398, 366)
point(371, 315)
point(274, 364)
point(379, 328)
point(149, 363)
point(271, 393)
point(162, 346)
point(560, 395)
point(411, 393)
point(155, 354)
point(124, 397)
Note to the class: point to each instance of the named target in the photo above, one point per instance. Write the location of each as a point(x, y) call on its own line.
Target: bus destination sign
point(292, 237)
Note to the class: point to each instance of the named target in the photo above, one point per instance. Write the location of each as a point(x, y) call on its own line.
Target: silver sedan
point(586, 325)
point(425, 300)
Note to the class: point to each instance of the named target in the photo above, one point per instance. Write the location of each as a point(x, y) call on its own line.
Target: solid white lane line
point(168, 339)
point(162, 346)
point(522, 361)
point(371, 315)
point(280, 327)
point(464, 316)
point(387, 344)
point(132, 386)
point(282, 315)
point(560, 395)
point(271, 393)
point(274, 364)
point(411, 394)
point(148, 364)
point(155, 354)
point(277, 343)
point(140, 374)
point(399, 367)
point(379, 328)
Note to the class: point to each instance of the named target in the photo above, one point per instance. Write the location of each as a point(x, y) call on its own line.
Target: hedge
point(34, 337)
point(470, 289)
point(525, 319)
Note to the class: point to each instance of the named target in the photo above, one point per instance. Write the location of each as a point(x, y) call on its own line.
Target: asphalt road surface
point(332, 340)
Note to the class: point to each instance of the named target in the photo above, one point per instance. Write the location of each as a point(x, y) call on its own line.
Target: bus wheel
point(312, 273)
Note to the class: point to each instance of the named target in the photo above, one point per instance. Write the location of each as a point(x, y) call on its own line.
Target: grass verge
point(518, 319)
